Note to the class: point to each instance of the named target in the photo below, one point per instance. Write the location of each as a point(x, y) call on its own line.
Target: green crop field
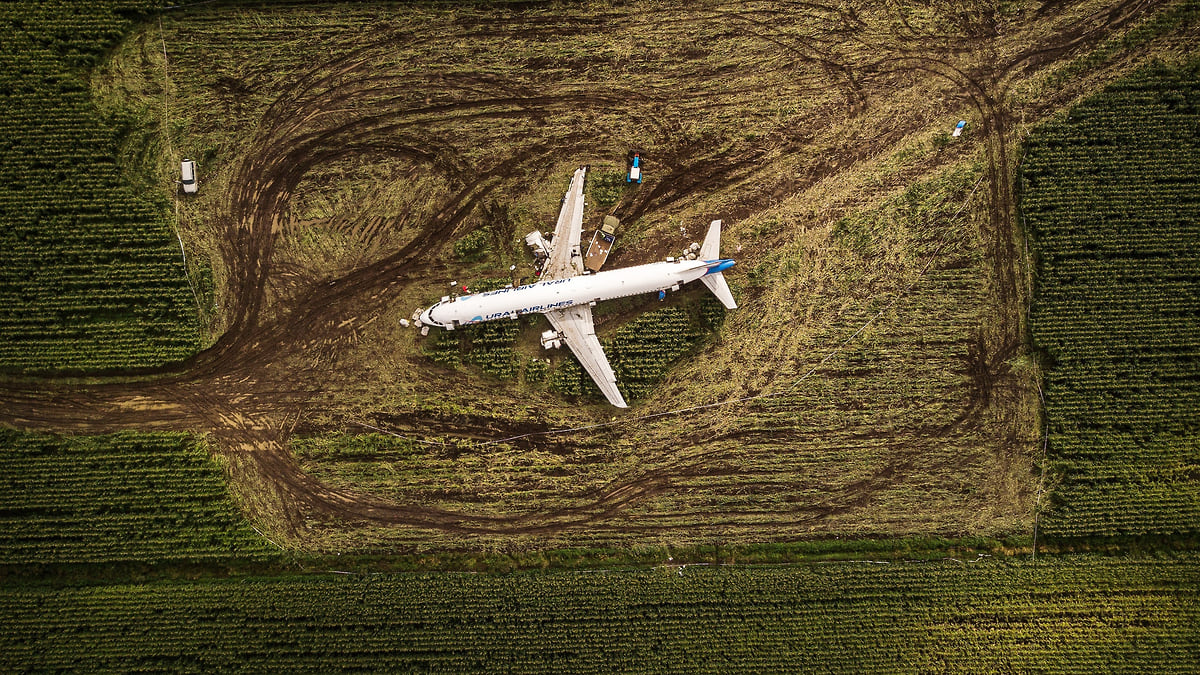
point(91, 279)
point(151, 498)
point(950, 427)
point(91, 274)
point(1112, 201)
point(1071, 614)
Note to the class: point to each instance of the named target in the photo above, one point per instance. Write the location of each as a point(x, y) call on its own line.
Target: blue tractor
point(634, 175)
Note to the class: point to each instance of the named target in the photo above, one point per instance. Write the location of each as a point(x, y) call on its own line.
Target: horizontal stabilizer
point(716, 284)
point(710, 250)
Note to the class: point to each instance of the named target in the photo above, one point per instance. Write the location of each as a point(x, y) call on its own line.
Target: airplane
point(565, 294)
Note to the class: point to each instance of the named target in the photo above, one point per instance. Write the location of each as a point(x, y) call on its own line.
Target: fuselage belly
point(545, 296)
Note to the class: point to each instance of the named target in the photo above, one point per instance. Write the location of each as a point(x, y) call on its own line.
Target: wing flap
point(565, 258)
point(576, 327)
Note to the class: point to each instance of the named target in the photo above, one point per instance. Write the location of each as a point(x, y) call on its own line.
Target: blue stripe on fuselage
point(718, 265)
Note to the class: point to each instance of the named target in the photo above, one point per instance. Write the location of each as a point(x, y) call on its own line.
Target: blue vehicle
point(635, 169)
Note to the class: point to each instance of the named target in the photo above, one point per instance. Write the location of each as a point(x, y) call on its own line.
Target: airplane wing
point(575, 326)
point(565, 259)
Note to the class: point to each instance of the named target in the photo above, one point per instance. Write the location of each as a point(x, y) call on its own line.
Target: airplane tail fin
point(711, 250)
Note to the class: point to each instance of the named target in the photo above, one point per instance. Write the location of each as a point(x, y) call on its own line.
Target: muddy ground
point(284, 361)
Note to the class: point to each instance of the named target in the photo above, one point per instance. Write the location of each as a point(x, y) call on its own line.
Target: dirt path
point(245, 390)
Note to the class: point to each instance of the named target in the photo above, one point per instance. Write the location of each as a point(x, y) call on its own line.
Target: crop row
point(92, 276)
point(128, 497)
point(1069, 613)
point(1113, 207)
point(640, 352)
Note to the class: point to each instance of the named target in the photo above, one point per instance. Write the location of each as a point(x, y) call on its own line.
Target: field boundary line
point(260, 533)
point(1037, 505)
point(681, 567)
point(190, 4)
point(1031, 272)
point(392, 433)
point(166, 134)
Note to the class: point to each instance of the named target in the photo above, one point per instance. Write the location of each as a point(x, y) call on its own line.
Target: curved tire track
point(225, 388)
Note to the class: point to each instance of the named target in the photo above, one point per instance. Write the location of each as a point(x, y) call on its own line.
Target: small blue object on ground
point(634, 175)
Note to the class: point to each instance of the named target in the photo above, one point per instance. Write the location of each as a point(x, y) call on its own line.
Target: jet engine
point(551, 340)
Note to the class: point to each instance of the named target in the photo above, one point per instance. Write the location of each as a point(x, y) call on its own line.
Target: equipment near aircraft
point(565, 294)
point(601, 246)
point(634, 175)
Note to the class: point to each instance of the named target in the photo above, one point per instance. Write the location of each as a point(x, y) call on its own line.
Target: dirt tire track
point(299, 134)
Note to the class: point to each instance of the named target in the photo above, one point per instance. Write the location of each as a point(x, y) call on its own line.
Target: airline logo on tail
point(718, 266)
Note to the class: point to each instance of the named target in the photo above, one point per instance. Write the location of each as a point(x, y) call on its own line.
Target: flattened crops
point(876, 379)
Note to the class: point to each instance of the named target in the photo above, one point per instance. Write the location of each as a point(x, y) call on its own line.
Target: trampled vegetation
point(1112, 201)
point(879, 358)
point(1070, 614)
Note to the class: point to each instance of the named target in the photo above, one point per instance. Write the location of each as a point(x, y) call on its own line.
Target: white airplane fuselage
point(586, 289)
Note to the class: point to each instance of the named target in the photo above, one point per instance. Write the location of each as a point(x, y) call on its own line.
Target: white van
point(187, 171)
